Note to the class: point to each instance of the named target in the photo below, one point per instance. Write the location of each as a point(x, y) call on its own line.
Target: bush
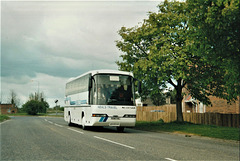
point(61, 109)
point(161, 121)
point(33, 107)
point(3, 117)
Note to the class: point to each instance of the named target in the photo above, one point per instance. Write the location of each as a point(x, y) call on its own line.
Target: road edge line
point(4, 122)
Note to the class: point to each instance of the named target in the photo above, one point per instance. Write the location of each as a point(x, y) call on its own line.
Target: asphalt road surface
point(48, 138)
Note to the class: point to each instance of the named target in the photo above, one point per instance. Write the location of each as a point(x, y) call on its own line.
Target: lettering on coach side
point(128, 107)
point(108, 107)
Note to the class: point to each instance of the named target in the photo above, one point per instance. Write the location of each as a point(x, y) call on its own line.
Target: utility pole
point(56, 101)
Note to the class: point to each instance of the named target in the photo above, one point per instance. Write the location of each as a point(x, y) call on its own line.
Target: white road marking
point(4, 122)
point(114, 142)
point(58, 125)
point(76, 131)
point(170, 159)
point(53, 123)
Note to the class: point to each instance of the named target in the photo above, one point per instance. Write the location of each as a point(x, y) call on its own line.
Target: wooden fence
point(229, 120)
point(165, 108)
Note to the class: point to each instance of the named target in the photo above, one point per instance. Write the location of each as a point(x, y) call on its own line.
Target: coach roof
point(102, 71)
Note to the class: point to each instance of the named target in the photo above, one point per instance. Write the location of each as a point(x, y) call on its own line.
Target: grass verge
point(227, 133)
point(38, 114)
point(3, 117)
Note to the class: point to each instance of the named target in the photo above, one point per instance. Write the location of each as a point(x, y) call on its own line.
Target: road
point(48, 138)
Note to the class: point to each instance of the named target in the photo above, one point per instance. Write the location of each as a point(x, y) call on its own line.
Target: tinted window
point(113, 90)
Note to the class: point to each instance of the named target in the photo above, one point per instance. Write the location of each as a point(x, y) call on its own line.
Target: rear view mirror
point(90, 81)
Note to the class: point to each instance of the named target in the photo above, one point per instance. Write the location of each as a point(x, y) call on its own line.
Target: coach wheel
point(83, 123)
point(69, 120)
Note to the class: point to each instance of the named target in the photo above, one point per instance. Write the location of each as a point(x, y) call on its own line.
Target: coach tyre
point(83, 123)
point(69, 120)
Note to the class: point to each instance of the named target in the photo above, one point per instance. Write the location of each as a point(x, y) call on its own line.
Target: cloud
point(33, 32)
point(52, 41)
point(52, 87)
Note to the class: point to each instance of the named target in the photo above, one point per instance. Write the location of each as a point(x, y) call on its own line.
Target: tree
point(158, 50)
point(158, 97)
point(36, 104)
point(37, 96)
point(44, 106)
point(13, 99)
point(32, 107)
point(161, 52)
point(217, 30)
point(172, 94)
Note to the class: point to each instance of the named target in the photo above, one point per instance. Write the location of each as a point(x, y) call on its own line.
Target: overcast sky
point(46, 43)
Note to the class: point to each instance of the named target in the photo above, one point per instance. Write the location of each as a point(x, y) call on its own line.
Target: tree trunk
point(179, 102)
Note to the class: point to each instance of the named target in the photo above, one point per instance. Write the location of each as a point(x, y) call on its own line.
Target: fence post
point(200, 118)
point(147, 116)
point(229, 120)
point(144, 116)
point(212, 118)
point(217, 119)
point(224, 120)
point(184, 116)
point(204, 118)
point(195, 118)
point(140, 115)
point(237, 120)
point(172, 117)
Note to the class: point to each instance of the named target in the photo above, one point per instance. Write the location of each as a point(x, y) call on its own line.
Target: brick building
point(7, 108)
point(221, 106)
point(191, 105)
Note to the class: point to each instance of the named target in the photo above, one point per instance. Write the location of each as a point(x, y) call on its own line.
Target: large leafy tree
point(217, 30)
point(160, 52)
point(157, 51)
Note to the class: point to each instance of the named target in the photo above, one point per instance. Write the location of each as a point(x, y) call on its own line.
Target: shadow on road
point(108, 129)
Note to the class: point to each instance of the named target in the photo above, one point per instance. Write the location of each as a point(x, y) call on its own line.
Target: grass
point(227, 133)
point(17, 114)
point(38, 114)
point(3, 117)
point(6, 117)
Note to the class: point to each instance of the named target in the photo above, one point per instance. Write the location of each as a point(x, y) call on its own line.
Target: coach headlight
point(129, 116)
point(99, 115)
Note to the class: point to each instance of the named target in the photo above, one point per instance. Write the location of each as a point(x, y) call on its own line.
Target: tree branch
point(184, 83)
point(141, 49)
point(171, 82)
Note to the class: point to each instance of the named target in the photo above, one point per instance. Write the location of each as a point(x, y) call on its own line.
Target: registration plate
point(115, 118)
point(114, 124)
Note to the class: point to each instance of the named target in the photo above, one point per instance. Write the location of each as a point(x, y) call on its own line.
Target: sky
point(44, 43)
